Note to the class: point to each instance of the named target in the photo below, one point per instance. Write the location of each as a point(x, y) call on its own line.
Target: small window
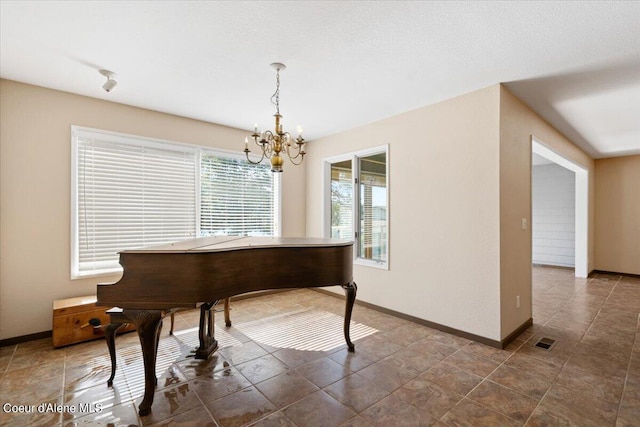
point(342, 200)
point(373, 207)
point(358, 203)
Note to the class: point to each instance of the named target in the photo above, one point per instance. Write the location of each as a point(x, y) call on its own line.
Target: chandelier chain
point(276, 94)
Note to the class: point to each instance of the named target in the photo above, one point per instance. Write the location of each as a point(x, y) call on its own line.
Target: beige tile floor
point(284, 363)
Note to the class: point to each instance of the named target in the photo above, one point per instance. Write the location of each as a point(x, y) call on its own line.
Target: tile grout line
point(626, 378)
point(64, 383)
point(549, 388)
point(477, 385)
point(254, 385)
point(602, 306)
point(6, 369)
point(195, 391)
point(565, 363)
point(556, 376)
point(572, 354)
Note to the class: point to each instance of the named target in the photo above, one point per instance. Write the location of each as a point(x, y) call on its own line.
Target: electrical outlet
point(518, 301)
point(524, 223)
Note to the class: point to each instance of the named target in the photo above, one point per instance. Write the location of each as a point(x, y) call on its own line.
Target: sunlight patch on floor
point(309, 330)
point(189, 337)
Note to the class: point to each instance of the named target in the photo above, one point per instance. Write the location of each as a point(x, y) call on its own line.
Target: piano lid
point(226, 243)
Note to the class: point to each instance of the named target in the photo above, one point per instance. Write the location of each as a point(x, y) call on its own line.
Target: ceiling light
point(273, 143)
point(111, 82)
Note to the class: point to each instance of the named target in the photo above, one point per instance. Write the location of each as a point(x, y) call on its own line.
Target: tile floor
point(284, 363)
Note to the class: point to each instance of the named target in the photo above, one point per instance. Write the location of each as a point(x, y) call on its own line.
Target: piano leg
point(227, 317)
point(158, 331)
point(110, 336)
point(350, 291)
point(208, 343)
point(173, 319)
point(148, 324)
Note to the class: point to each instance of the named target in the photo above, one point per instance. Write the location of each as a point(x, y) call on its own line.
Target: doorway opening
point(559, 235)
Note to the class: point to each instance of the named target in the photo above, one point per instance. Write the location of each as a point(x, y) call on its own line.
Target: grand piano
point(200, 272)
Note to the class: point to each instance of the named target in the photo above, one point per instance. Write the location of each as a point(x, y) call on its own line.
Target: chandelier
point(275, 144)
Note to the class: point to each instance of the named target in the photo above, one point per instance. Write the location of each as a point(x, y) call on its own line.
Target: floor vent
point(545, 343)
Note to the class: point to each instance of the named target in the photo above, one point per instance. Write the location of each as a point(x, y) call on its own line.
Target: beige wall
point(460, 174)
point(518, 123)
point(617, 219)
point(444, 211)
point(460, 183)
point(35, 173)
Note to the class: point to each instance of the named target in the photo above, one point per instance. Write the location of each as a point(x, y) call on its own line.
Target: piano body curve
point(159, 279)
point(214, 268)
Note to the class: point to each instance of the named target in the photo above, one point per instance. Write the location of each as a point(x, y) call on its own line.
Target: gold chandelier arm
point(301, 155)
point(247, 151)
point(268, 149)
point(268, 135)
point(299, 147)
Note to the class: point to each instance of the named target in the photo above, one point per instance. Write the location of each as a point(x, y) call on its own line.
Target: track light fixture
point(111, 82)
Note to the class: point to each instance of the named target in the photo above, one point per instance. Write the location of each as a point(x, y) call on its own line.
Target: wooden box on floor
point(74, 320)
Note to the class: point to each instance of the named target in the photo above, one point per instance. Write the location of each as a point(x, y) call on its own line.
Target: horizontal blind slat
point(132, 193)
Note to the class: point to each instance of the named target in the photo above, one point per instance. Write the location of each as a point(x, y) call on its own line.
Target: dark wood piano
point(160, 279)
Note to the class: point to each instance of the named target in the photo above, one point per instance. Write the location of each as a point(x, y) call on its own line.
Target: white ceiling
point(348, 63)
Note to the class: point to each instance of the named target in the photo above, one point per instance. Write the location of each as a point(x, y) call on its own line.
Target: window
point(357, 187)
point(130, 192)
point(237, 198)
point(342, 200)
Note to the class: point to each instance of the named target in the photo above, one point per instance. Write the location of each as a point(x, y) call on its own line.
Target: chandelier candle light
point(274, 143)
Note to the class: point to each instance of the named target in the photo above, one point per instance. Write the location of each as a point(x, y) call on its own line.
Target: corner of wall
point(617, 209)
point(518, 125)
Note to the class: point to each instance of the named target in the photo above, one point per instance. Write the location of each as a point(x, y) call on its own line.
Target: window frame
point(355, 157)
point(118, 137)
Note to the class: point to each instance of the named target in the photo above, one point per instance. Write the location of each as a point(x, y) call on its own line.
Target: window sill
point(95, 274)
point(381, 265)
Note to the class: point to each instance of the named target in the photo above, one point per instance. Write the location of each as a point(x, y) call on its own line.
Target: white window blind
point(237, 198)
point(129, 195)
point(130, 192)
